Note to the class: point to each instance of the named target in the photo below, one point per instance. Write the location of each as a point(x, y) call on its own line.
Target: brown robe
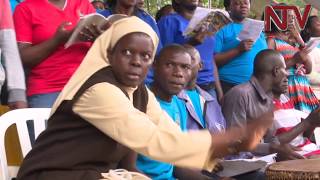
point(73, 149)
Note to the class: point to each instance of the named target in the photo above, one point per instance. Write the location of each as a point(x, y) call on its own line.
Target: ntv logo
point(282, 23)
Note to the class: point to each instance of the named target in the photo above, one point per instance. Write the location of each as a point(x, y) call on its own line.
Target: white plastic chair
point(20, 118)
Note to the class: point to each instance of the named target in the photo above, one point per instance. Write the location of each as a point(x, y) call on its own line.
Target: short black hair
point(160, 12)
point(265, 61)
point(177, 48)
point(175, 5)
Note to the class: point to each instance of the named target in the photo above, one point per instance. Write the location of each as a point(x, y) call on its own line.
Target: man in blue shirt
point(171, 73)
point(235, 58)
point(171, 29)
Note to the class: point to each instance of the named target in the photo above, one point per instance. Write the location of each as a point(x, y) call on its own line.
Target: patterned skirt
point(301, 94)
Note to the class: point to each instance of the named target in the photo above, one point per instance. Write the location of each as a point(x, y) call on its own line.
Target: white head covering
point(96, 57)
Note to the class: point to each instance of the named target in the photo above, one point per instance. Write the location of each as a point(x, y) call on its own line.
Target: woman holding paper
point(42, 28)
point(235, 57)
point(291, 46)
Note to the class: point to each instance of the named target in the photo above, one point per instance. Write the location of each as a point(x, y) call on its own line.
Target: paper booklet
point(241, 166)
point(251, 29)
point(237, 167)
point(312, 43)
point(87, 20)
point(213, 19)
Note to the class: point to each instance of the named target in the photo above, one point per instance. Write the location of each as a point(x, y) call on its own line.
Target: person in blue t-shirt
point(129, 8)
point(14, 3)
point(171, 73)
point(171, 29)
point(234, 58)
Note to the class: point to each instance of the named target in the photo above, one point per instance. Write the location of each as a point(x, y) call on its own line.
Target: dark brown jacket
point(73, 149)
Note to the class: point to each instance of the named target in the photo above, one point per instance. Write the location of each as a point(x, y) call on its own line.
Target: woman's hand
point(295, 35)
point(92, 32)
point(245, 45)
point(62, 33)
point(17, 105)
point(238, 139)
point(199, 36)
point(301, 56)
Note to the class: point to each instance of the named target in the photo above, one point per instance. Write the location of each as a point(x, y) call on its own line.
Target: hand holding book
point(91, 26)
point(208, 20)
point(251, 30)
point(92, 31)
point(63, 32)
point(245, 45)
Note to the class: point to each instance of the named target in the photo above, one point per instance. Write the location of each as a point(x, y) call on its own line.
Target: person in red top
point(42, 28)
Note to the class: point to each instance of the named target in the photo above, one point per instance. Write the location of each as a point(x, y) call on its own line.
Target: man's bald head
point(266, 61)
point(270, 70)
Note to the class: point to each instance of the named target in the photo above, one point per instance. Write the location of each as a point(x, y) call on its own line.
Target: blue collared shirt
point(211, 112)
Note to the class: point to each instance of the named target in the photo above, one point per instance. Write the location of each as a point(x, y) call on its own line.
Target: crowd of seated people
point(140, 95)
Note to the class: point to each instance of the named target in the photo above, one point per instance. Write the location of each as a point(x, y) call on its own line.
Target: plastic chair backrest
point(20, 117)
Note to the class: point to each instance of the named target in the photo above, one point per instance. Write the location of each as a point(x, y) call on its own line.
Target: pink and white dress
point(285, 118)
